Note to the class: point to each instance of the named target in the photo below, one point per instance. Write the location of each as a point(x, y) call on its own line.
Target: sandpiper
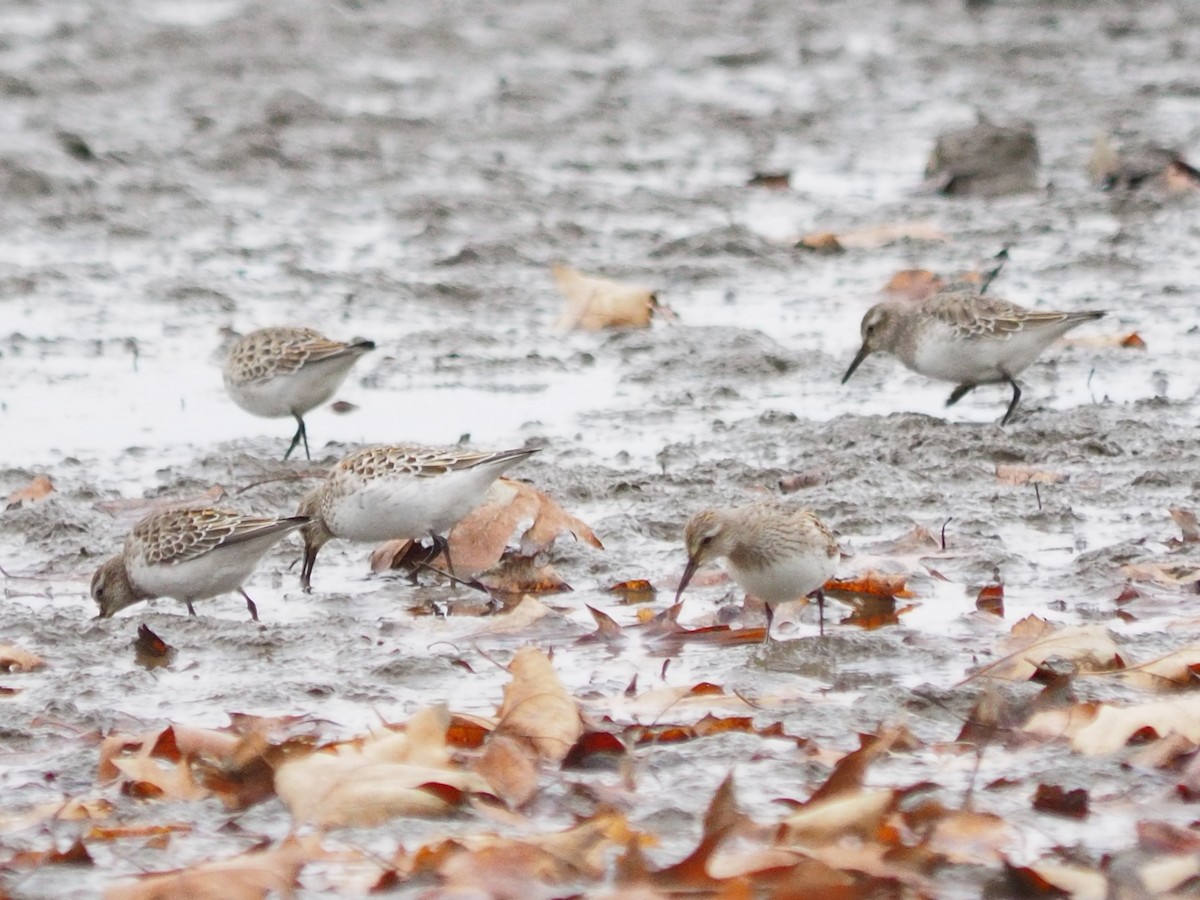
point(278, 372)
point(407, 491)
point(188, 554)
point(775, 551)
point(964, 337)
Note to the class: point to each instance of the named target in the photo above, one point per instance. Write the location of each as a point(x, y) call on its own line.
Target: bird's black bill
point(863, 353)
point(688, 572)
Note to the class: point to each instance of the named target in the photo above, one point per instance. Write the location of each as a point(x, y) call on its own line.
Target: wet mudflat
point(173, 173)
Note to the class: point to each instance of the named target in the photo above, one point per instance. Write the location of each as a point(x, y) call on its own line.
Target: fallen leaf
point(537, 709)
point(148, 778)
point(250, 876)
point(17, 659)
point(596, 303)
point(510, 769)
point(150, 650)
point(1127, 340)
point(991, 599)
point(40, 487)
point(873, 237)
point(870, 583)
point(1089, 647)
point(637, 591)
point(1095, 728)
point(1175, 576)
point(75, 855)
point(778, 181)
point(1017, 475)
point(914, 284)
point(1178, 669)
point(853, 812)
point(1053, 799)
point(365, 783)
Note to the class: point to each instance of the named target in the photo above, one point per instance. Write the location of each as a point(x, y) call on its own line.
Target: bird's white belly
point(789, 579)
point(977, 360)
point(406, 507)
point(196, 579)
point(294, 393)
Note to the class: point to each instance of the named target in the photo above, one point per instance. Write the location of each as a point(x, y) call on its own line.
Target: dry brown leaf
point(151, 779)
point(1175, 576)
point(1168, 873)
point(40, 487)
point(516, 619)
point(537, 709)
point(1017, 475)
point(871, 584)
point(17, 659)
point(914, 284)
point(1178, 669)
point(510, 769)
point(1125, 340)
point(522, 575)
point(966, 837)
point(596, 303)
point(251, 876)
point(857, 812)
point(1034, 640)
point(873, 237)
point(365, 783)
point(1095, 728)
point(1079, 882)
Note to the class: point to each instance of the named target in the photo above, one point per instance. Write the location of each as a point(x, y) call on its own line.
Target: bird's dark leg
point(770, 610)
point(300, 435)
point(191, 609)
point(250, 605)
point(958, 393)
point(820, 594)
point(1016, 398)
point(306, 569)
point(442, 545)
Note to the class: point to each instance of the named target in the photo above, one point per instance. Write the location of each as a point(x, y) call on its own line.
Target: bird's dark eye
point(706, 540)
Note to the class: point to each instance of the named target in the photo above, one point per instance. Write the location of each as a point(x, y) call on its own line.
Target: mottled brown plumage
point(964, 337)
point(402, 491)
point(776, 551)
point(188, 554)
point(278, 372)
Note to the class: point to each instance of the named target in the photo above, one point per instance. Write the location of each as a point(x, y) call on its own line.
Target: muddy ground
point(170, 172)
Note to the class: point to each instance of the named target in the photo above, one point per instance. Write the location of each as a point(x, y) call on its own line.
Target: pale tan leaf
point(876, 236)
point(366, 783)
point(1034, 640)
point(1080, 882)
point(41, 486)
point(18, 659)
point(1097, 728)
point(510, 769)
point(1178, 669)
point(855, 812)
point(595, 303)
point(157, 778)
point(1016, 475)
point(537, 709)
point(251, 876)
